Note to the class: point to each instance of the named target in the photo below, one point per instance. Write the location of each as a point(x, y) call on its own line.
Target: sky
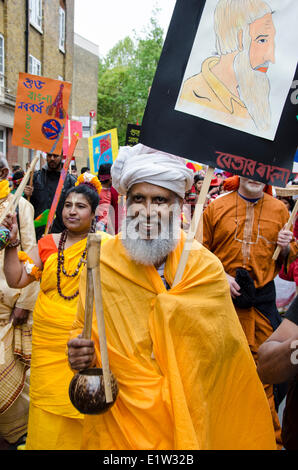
point(105, 22)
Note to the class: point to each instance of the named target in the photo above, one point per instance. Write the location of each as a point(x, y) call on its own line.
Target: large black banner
point(226, 95)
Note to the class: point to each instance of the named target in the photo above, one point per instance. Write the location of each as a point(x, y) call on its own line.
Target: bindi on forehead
point(74, 199)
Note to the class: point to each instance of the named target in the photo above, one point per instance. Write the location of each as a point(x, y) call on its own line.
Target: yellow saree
point(53, 422)
point(185, 373)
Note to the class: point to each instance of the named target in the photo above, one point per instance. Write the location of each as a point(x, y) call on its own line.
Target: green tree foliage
point(125, 77)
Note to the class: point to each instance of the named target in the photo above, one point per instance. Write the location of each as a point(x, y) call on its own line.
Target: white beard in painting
point(254, 89)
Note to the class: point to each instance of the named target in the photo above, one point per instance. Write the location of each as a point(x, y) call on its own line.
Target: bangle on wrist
point(13, 244)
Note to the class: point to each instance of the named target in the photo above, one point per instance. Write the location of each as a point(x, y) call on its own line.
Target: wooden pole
point(91, 256)
point(30, 182)
point(193, 226)
point(59, 188)
point(18, 194)
point(69, 140)
point(287, 227)
point(100, 319)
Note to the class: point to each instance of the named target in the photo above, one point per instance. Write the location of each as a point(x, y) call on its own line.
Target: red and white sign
point(92, 113)
point(75, 127)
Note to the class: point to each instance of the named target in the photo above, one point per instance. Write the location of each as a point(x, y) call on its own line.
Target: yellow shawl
point(52, 320)
point(202, 390)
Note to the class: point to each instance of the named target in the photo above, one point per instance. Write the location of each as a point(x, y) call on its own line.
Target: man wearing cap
point(185, 373)
point(45, 182)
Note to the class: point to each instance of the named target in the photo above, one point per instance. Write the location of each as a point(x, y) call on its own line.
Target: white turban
point(141, 164)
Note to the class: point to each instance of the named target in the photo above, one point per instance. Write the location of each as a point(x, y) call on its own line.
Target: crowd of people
point(201, 364)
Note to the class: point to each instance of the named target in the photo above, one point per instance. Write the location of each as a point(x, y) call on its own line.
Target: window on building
point(61, 29)
point(60, 78)
point(34, 65)
point(1, 61)
point(3, 140)
point(35, 8)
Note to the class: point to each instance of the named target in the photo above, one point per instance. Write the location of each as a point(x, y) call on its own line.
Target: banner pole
point(193, 226)
point(63, 174)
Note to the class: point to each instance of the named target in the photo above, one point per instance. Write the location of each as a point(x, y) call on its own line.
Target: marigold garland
point(30, 267)
point(88, 178)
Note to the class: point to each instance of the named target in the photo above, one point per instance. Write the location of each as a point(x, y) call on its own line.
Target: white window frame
point(3, 140)
point(2, 68)
point(62, 29)
point(34, 65)
point(35, 14)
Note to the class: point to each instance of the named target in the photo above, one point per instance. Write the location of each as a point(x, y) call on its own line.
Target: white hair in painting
point(231, 16)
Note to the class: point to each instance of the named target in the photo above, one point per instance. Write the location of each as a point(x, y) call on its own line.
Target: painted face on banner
point(262, 48)
point(251, 65)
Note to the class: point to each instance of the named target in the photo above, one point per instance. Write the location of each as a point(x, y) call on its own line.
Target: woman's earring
point(93, 226)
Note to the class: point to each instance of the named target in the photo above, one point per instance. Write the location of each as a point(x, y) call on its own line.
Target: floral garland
point(29, 265)
point(90, 180)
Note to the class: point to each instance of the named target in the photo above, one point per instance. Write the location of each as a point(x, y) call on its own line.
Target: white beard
point(254, 89)
point(154, 250)
point(255, 190)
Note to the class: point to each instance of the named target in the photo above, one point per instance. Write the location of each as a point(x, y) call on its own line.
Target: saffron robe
point(199, 389)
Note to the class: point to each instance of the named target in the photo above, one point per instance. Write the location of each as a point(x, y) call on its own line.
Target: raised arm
point(278, 356)
point(15, 272)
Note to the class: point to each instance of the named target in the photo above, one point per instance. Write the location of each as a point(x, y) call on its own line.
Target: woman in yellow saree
point(53, 421)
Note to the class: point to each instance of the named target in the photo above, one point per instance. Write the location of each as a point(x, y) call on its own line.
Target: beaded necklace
point(60, 266)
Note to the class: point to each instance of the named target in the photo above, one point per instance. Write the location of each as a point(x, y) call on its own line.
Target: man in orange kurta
point(186, 377)
point(243, 229)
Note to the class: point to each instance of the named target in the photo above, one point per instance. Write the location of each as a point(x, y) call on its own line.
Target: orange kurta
point(229, 220)
point(244, 234)
point(199, 389)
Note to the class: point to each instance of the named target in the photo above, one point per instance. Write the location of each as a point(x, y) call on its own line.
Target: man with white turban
point(185, 373)
point(141, 164)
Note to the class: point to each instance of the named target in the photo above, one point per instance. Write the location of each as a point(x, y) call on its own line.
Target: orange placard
point(40, 113)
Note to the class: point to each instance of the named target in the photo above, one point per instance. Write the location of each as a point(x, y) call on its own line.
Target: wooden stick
point(30, 183)
point(18, 194)
point(59, 188)
point(287, 227)
point(100, 321)
point(193, 226)
point(91, 255)
point(69, 140)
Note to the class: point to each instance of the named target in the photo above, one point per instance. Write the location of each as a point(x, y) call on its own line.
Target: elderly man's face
point(152, 227)
point(262, 49)
point(151, 206)
point(250, 188)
